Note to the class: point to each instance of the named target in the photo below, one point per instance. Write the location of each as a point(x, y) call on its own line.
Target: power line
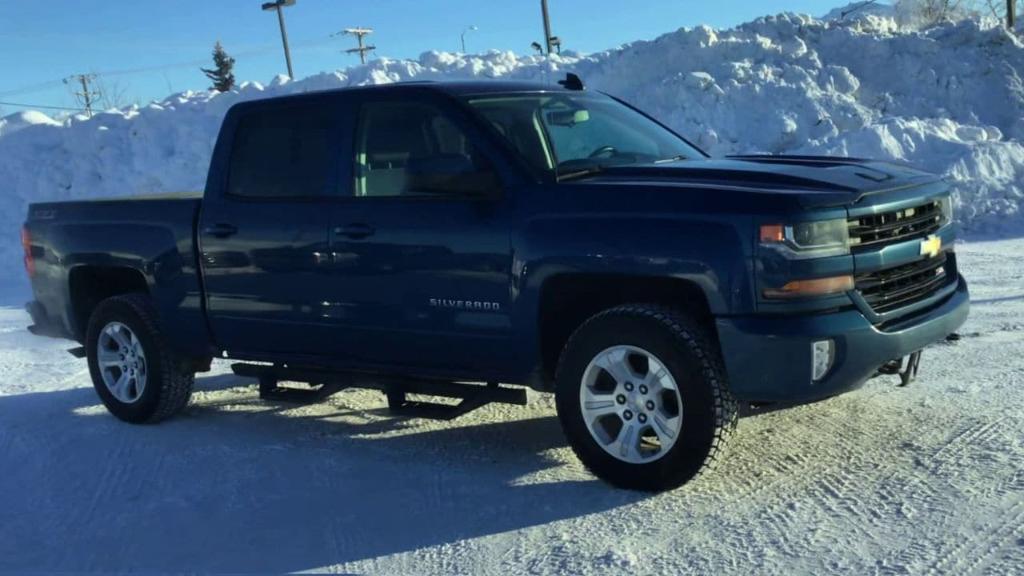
point(41, 106)
point(41, 86)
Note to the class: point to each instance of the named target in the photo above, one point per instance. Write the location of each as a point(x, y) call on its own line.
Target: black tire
point(169, 379)
point(708, 409)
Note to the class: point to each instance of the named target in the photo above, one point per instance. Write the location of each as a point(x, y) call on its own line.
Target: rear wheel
point(136, 374)
point(642, 397)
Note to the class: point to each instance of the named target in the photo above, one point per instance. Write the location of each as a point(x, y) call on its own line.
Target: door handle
point(355, 231)
point(220, 230)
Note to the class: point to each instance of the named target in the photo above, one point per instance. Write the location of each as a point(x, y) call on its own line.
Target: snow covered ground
point(884, 480)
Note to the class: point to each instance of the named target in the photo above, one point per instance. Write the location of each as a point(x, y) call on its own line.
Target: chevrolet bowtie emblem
point(931, 246)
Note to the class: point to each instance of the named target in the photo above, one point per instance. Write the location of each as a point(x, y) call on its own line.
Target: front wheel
point(136, 374)
point(642, 397)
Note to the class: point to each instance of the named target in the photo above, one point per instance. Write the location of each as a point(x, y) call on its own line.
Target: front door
point(421, 256)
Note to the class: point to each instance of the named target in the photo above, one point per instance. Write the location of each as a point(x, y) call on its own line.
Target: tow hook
point(906, 368)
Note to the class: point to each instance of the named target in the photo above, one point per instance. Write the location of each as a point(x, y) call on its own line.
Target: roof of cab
point(464, 87)
point(454, 88)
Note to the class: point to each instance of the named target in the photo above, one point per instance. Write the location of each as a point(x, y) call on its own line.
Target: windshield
point(577, 134)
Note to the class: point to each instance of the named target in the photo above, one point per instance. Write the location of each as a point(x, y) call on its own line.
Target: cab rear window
point(280, 153)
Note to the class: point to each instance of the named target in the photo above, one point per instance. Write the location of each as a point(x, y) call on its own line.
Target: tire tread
point(691, 335)
point(175, 379)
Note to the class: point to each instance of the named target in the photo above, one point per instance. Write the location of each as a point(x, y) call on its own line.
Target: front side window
point(561, 133)
point(415, 149)
point(280, 153)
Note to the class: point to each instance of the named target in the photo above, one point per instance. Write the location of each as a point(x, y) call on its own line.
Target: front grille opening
point(893, 288)
point(874, 230)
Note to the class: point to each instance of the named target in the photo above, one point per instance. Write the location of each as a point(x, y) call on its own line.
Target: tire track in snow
point(840, 488)
point(956, 449)
point(828, 482)
point(102, 486)
point(970, 554)
point(113, 476)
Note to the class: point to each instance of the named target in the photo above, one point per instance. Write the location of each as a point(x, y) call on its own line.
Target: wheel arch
point(88, 285)
point(568, 300)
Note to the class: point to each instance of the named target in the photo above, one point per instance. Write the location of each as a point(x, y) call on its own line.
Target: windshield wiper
point(577, 174)
point(675, 158)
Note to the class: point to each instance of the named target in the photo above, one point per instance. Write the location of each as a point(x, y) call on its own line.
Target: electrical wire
point(41, 106)
point(256, 51)
point(39, 87)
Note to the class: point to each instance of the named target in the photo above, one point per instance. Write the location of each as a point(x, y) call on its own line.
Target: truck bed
point(150, 237)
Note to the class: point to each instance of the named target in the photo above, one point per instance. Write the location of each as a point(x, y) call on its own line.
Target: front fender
point(711, 253)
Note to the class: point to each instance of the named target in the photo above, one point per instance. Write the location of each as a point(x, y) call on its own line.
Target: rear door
point(422, 261)
point(264, 236)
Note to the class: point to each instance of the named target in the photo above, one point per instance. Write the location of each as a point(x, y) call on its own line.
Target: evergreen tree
point(222, 74)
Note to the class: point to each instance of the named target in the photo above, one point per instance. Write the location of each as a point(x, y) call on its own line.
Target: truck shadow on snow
point(242, 486)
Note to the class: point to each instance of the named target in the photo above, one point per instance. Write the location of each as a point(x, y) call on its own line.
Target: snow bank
point(860, 10)
point(18, 120)
point(949, 99)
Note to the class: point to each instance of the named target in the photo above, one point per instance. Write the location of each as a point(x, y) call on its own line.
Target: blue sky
point(149, 48)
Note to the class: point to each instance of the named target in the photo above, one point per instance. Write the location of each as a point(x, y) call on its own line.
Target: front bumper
point(768, 358)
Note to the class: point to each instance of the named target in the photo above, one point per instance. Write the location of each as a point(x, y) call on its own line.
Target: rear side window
point(280, 153)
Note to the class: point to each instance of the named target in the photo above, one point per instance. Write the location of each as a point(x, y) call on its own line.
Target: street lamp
point(472, 28)
point(557, 43)
point(547, 25)
point(278, 5)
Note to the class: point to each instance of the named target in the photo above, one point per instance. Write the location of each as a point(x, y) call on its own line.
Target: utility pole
point(472, 28)
point(358, 33)
point(86, 97)
point(1011, 17)
point(279, 5)
point(547, 25)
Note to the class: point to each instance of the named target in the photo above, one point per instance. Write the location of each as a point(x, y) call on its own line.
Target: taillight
point(26, 244)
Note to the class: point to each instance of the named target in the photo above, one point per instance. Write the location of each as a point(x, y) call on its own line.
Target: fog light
point(822, 356)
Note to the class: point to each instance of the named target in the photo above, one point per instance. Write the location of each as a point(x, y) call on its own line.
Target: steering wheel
point(603, 151)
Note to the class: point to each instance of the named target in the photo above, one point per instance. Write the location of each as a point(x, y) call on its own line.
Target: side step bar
point(326, 382)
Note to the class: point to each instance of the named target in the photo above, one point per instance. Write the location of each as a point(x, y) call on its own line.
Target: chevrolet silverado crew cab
point(471, 240)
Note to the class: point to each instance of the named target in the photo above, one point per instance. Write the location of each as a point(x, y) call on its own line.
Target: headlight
point(808, 239)
point(946, 203)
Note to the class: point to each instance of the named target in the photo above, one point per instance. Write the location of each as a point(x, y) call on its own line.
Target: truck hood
point(817, 181)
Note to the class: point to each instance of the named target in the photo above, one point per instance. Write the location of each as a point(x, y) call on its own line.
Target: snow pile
point(18, 120)
point(949, 99)
point(861, 10)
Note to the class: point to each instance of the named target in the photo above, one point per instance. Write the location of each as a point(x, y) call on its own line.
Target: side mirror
point(440, 165)
point(450, 174)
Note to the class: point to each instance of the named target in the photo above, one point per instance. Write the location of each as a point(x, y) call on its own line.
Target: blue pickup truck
point(470, 240)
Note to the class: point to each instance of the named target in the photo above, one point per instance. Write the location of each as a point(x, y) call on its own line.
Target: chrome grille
point(874, 230)
point(892, 288)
